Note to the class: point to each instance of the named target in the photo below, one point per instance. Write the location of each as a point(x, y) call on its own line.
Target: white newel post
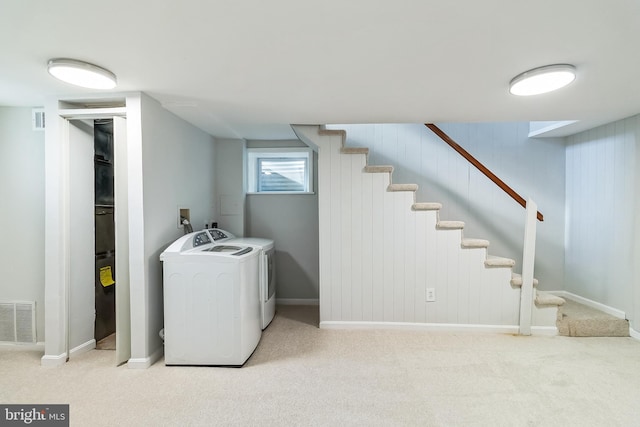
point(527, 292)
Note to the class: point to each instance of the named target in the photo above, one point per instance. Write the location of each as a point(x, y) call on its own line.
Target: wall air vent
point(37, 118)
point(18, 321)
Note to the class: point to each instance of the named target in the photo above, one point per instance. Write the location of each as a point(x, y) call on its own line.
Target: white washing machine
point(267, 268)
point(211, 301)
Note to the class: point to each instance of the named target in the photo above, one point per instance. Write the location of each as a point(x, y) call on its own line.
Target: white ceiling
point(248, 68)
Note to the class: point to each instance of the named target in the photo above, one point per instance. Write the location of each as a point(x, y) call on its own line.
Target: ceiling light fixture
point(81, 73)
point(542, 79)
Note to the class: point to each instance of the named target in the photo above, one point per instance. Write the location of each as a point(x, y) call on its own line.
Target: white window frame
point(253, 154)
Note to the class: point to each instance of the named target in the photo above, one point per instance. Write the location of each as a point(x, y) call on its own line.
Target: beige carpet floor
point(304, 376)
point(107, 343)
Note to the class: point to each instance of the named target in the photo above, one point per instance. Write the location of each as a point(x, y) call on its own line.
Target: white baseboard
point(296, 301)
point(24, 346)
point(590, 303)
point(82, 348)
point(633, 333)
point(436, 327)
point(145, 362)
point(49, 360)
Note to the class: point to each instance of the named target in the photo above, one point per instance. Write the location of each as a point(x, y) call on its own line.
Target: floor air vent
point(18, 322)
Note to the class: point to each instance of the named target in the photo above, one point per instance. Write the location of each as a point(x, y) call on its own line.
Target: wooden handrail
point(482, 168)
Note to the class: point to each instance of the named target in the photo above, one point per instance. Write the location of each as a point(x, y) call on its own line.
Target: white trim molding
point(438, 327)
point(23, 346)
point(82, 348)
point(633, 333)
point(50, 361)
point(590, 303)
point(145, 362)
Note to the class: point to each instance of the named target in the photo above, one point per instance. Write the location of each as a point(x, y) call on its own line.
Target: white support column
point(527, 293)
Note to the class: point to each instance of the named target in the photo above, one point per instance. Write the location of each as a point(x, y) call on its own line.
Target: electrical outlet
point(431, 294)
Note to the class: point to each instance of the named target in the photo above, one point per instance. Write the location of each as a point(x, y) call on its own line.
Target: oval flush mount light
point(81, 73)
point(542, 80)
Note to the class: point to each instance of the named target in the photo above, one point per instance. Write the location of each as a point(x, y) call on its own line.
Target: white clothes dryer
point(211, 302)
point(267, 269)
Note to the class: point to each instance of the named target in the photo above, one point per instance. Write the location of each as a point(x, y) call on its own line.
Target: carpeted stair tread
point(354, 150)
point(402, 187)
point(426, 206)
point(450, 225)
point(579, 320)
point(378, 169)
point(475, 243)
point(545, 299)
point(496, 261)
point(516, 280)
point(340, 132)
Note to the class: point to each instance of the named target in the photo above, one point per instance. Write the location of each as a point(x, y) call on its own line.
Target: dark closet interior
point(105, 286)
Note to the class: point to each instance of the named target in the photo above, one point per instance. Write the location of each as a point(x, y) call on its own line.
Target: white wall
point(177, 171)
point(230, 186)
point(22, 212)
point(532, 167)
point(602, 201)
point(291, 220)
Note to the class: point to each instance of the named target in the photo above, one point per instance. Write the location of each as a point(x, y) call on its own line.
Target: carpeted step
point(516, 280)
point(545, 299)
point(450, 225)
point(499, 262)
point(378, 169)
point(341, 132)
point(402, 187)
point(475, 243)
point(354, 150)
point(428, 206)
point(579, 320)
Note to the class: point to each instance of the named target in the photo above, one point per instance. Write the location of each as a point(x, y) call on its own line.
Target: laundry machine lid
point(232, 250)
point(258, 242)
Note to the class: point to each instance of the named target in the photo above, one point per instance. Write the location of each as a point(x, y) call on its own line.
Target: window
point(280, 170)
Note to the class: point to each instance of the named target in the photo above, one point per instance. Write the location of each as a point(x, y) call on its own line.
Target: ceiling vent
point(37, 118)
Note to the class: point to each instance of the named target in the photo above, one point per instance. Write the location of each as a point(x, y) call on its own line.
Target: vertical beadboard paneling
point(335, 230)
point(466, 258)
point(441, 279)
point(490, 296)
point(410, 264)
point(367, 246)
point(378, 239)
point(381, 265)
point(324, 224)
point(476, 280)
point(355, 174)
point(399, 206)
point(453, 274)
point(600, 213)
point(346, 264)
point(431, 262)
point(421, 275)
point(388, 230)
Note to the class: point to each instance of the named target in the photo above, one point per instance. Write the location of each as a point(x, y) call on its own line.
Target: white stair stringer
point(380, 250)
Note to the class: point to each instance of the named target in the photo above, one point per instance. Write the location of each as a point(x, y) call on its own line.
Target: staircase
point(382, 253)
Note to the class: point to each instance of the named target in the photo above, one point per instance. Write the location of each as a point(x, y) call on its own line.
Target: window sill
point(302, 193)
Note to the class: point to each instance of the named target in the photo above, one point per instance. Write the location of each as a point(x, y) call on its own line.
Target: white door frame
point(57, 227)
